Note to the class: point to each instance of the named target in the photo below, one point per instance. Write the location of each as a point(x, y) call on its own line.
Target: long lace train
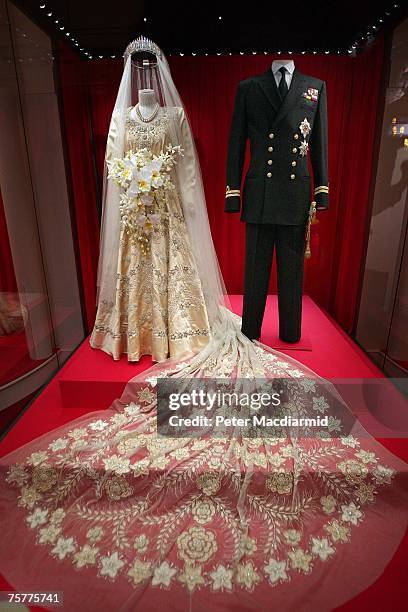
point(119, 518)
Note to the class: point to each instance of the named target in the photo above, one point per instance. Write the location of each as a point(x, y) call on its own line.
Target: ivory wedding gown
point(158, 308)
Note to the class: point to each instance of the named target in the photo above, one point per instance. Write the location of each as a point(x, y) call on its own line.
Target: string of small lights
point(360, 40)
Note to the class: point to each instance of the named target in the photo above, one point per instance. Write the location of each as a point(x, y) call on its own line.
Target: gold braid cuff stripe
point(321, 189)
point(231, 193)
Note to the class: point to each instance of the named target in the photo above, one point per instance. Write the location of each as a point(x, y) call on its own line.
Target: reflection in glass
point(40, 307)
point(382, 327)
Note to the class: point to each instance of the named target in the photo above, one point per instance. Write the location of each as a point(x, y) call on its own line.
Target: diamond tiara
point(142, 44)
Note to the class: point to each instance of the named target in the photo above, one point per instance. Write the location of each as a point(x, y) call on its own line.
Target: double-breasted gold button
point(269, 174)
point(269, 162)
point(296, 136)
point(294, 150)
point(294, 163)
point(271, 135)
point(293, 176)
point(270, 149)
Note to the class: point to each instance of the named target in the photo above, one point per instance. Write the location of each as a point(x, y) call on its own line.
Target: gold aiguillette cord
point(311, 221)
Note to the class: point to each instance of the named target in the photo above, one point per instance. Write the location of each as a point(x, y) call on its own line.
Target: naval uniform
point(284, 125)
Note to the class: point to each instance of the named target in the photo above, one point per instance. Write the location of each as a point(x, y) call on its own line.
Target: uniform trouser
point(289, 241)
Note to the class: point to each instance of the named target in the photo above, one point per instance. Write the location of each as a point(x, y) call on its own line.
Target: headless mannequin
point(147, 103)
point(286, 63)
point(276, 64)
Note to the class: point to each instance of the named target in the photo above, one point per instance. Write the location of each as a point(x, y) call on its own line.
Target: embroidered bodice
point(150, 135)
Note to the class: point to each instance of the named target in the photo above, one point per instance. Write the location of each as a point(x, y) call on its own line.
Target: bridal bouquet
point(145, 178)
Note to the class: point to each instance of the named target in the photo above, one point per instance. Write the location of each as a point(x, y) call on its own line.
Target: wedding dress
point(120, 518)
point(159, 307)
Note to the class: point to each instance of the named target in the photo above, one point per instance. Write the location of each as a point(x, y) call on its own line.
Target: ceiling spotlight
point(220, 18)
point(101, 57)
point(279, 52)
point(113, 56)
point(67, 33)
point(62, 27)
point(145, 19)
point(303, 52)
point(181, 54)
point(56, 21)
point(42, 6)
point(49, 14)
point(290, 52)
point(218, 53)
point(194, 54)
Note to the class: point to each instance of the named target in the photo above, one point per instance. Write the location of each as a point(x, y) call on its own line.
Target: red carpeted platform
point(90, 380)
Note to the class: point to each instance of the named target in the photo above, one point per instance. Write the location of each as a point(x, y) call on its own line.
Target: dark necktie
point(283, 86)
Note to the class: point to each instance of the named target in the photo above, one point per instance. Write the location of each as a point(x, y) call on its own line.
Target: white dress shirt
point(290, 67)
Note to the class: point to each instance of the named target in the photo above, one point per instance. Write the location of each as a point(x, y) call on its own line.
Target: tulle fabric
point(221, 523)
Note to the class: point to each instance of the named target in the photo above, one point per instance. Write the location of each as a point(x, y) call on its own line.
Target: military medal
point(304, 127)
point(311, 94)
point(303, 148)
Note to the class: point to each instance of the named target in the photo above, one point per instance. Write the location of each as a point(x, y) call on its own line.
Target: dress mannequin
point(276, 64)
point(286, 63)
point(147, 105)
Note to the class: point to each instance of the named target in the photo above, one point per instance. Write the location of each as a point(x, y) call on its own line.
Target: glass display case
point(41, 319)
point(382, 326)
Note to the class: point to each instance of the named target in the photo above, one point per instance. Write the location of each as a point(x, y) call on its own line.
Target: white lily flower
point(157, 181)
point(144, 180)
point(154, 168)
point(133, 188)
point(155, 165)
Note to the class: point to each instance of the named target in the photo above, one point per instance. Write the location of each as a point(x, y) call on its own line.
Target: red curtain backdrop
point(78, 132)
point(207, 86)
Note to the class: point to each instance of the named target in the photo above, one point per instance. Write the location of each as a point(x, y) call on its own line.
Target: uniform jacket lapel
point(291, 98)
point(268, 84)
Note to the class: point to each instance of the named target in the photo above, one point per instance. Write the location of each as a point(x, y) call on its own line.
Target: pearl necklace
point(151, 117)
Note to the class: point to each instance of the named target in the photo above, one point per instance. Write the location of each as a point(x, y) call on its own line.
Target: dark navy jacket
point(282, 135)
